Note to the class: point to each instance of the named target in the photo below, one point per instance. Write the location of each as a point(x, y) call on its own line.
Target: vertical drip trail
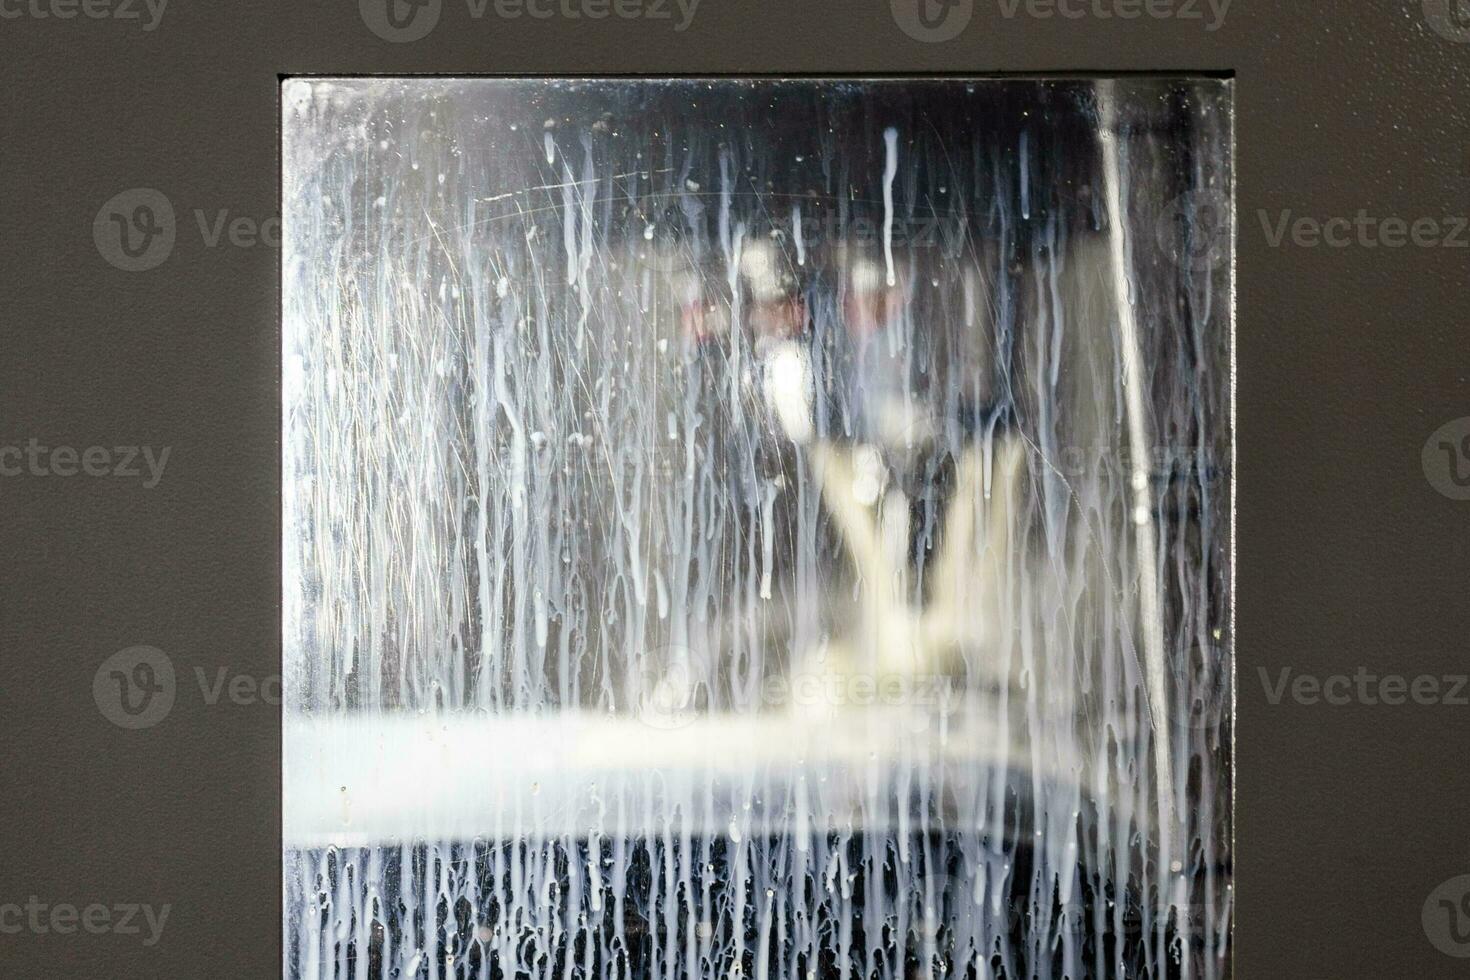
point(1150, 625)
point(770, 529)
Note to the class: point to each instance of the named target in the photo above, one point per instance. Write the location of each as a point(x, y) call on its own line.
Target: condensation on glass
point(757, 528)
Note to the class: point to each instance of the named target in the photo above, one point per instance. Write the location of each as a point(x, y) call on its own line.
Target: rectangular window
point(757, 528)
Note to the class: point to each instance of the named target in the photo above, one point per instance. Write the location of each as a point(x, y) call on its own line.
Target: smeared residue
point(711, 549)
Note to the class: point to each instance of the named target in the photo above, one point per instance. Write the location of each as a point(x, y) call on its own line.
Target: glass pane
point(772, 528)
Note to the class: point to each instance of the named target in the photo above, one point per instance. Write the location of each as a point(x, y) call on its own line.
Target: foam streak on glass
point(757, 528)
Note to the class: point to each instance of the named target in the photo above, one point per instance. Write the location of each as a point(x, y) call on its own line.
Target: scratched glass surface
point(757, 528)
